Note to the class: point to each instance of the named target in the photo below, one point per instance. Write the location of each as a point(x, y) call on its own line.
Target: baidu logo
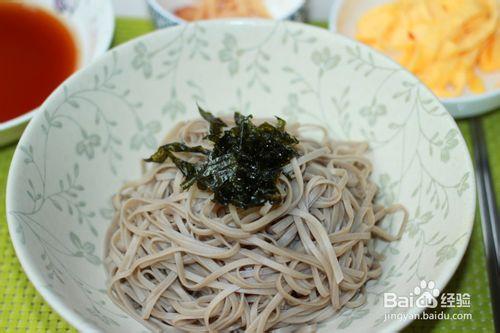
point(425, 295)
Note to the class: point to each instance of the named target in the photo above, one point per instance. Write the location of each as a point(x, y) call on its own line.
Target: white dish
point(92, 22)
point(91, 137)
point(163, 11)
point(344, 16)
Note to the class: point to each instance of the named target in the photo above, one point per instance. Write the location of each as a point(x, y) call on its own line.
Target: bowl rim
point(100, 50)
point(459, 100)
point(154, 5)
point(75, 319)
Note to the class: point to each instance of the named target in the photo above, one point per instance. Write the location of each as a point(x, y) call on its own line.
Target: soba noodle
point(176, 258)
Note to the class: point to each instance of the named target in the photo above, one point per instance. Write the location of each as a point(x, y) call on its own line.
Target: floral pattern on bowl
point(93, 131)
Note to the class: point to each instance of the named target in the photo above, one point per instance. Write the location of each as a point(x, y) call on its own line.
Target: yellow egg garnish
point(444, 42)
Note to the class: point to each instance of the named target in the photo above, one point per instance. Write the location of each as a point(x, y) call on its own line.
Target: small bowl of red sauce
point(42, 43)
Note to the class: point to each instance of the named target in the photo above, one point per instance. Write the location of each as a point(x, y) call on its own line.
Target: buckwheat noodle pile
point(176, 258)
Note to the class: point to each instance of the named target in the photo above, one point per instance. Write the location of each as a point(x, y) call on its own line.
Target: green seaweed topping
point(243, 167)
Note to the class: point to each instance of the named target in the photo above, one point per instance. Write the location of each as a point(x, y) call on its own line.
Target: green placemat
point(23, 309)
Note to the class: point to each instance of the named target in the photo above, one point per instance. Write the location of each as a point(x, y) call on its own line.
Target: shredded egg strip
point(446, 43)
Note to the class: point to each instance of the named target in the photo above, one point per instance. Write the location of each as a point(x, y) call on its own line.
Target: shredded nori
point(243, 167)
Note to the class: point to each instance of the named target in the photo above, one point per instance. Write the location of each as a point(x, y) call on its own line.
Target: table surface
point(23, 309)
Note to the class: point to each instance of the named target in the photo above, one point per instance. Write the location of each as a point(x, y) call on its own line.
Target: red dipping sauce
point(37, 52)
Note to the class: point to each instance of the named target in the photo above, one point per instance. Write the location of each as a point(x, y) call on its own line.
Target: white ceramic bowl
point(344, 16)
point(99, 124)
point(162, 11)
point(92, 22)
